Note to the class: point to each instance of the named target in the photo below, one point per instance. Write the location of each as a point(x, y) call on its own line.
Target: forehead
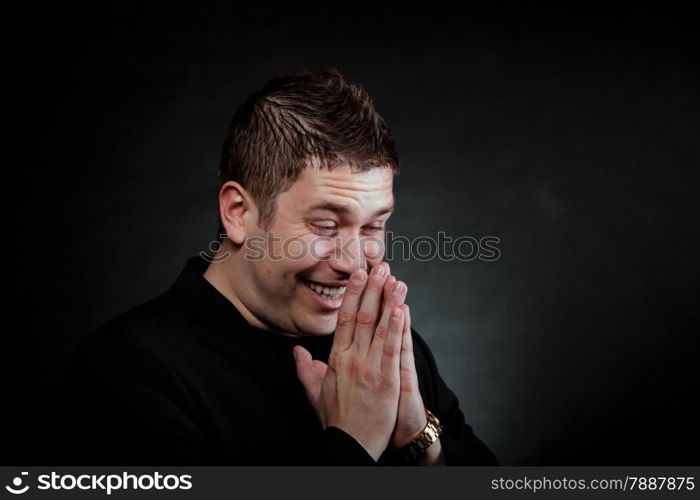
point(359, 192)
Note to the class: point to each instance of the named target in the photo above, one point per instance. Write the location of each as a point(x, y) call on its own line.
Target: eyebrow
point(344, 209)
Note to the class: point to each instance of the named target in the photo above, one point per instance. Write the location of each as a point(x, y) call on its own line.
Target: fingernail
point(379, 273)
point(396, 313)
point(399, 287)
point(360, 276)
point(294, 351)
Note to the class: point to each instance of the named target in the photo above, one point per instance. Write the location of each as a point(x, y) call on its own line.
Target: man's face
point(328, 224)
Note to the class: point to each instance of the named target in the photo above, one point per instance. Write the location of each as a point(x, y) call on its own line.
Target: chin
point(320, 326)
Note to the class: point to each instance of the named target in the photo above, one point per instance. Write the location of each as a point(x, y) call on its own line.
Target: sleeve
point(123, 405)
point(342, 449)
point(460, 445)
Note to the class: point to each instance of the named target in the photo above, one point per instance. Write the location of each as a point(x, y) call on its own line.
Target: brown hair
point(297, 120)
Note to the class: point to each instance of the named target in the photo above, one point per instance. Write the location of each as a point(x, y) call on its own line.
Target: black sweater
point(184, 380)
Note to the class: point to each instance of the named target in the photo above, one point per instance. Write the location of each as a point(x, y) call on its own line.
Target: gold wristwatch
point(412, 452)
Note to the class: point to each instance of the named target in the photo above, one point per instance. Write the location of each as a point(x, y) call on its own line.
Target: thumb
point(308, 373)
point(321, 368)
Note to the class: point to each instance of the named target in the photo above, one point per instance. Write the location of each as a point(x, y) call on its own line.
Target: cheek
point(297, 255)
point(320, 248)
point(294, 250)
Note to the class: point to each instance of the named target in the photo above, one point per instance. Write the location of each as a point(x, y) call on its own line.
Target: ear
point(235, 208)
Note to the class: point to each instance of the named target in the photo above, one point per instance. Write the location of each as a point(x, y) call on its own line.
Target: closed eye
point(323, 228)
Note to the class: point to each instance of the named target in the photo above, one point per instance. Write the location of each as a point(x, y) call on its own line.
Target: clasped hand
point(369, 388)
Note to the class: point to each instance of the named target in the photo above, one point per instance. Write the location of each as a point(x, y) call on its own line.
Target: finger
point(386, 307)
point(347, 313)
point(368, 314)
point(386, 293)
point(321, 368)
point(391, 352)
point(394, 295)
point(308, 374)
point(408, 365)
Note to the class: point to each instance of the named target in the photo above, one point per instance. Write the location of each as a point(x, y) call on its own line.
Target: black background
point(572, 135)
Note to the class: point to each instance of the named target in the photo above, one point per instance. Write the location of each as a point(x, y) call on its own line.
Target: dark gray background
point(571, 135)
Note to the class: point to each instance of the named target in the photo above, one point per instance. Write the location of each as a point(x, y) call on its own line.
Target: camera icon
point(17, 483)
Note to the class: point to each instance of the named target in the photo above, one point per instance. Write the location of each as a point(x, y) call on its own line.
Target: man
point(293, 344)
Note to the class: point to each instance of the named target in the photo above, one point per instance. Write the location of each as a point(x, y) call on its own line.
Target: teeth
point(328, 291)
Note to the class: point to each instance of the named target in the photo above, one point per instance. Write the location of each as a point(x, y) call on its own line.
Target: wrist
point(404, 437)
point(414, 451)
point(434, 455)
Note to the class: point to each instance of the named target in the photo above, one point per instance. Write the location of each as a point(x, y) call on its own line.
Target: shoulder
point(157, 313)
point(136, 340)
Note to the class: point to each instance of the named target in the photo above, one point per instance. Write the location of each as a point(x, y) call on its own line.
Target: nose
point(347, 255)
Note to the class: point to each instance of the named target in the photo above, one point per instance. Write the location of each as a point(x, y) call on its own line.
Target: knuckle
point(407, 389)
point(390, 351)
point(354, 366)
point(345, 318)
point(381, 331)
point(365, 318)
point(366, 375)
point(385, 383)
point(334, 360)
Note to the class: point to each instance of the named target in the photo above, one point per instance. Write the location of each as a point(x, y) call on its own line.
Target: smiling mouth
point(327, 292)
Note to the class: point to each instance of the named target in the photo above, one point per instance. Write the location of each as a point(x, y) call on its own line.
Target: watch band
point(412, 452)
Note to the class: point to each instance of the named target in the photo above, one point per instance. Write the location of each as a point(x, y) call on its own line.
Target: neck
point(221, 273)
